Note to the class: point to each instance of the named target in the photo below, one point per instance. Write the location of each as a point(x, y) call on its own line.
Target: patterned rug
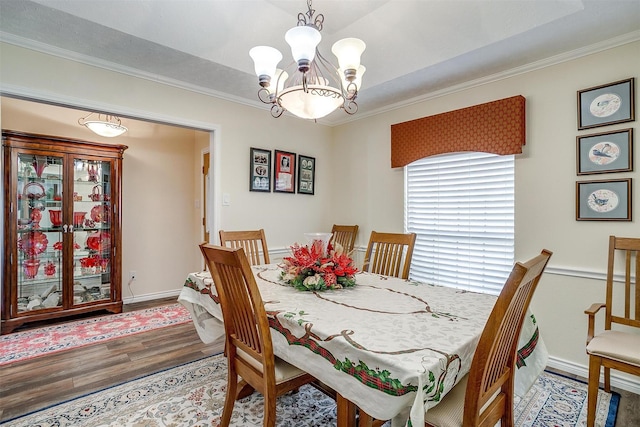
point(193, 395)
point(28, 344)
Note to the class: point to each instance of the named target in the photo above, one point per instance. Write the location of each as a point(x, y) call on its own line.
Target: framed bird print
point(606, 104)
point(605, 200)
point(605, 152)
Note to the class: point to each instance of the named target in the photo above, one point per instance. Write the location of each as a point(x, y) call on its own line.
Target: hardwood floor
point(35, 384)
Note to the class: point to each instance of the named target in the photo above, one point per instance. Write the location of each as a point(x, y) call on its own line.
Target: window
point(461, 206)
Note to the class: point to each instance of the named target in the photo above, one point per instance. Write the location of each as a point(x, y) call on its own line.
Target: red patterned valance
point(495, 127)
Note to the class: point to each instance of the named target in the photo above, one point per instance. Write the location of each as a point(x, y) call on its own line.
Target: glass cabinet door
point(91, 230)
point(39, 204)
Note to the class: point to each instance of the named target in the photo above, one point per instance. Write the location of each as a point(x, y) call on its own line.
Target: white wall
point(355, 183)
point(161, 177)
point(545, 186)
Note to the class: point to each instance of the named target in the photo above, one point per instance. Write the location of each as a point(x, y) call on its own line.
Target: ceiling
point(415, 48)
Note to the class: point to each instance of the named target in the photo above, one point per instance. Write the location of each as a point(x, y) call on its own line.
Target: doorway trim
point(214, 129)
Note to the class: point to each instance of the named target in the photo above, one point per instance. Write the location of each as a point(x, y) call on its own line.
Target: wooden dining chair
point(345, 235)
point(485, 395)
point(385, 253)
point(618, 345)
point(248, 345)
point(253, 242)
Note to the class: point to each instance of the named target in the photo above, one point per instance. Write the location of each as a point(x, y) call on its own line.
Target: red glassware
point(39, 164)
point(99, 241)
point(36, 216)
point(78, 218)
point(104, 263)
point(31, 267)
point(50, 269)
point(97, 213)
point(33, 243)
point(56, 217)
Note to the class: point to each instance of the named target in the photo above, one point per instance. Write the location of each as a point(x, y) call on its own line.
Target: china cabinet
point(62, 238)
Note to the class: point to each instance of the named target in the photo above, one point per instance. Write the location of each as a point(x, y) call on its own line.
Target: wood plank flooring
point(35, 384)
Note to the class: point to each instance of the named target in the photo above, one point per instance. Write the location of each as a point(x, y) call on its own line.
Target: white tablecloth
point(377, 344)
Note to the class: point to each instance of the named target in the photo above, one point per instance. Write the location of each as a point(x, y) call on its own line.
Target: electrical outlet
point(132, 275)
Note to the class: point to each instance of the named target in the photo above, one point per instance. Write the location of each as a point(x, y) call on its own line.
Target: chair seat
point(284, 371)
point(449, 412)
point(616, 345)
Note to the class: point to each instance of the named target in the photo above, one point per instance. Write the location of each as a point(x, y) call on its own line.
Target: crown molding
point(110, 66)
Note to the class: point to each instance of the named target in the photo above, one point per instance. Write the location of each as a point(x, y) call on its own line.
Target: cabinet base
point(46, 318)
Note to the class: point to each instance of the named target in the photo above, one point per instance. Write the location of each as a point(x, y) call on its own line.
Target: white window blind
point(461, 206)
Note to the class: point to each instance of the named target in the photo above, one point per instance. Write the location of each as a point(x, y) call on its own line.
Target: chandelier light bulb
point(303, 41)
point(265, 60)
point(348, 52)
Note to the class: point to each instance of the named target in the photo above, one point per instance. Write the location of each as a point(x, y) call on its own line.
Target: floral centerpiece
point(310, 269)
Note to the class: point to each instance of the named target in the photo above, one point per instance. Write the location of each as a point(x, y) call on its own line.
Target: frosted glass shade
point(107, 129)
point(316, 103)
point(348, 52)
point(265, 60)
point(303, 41)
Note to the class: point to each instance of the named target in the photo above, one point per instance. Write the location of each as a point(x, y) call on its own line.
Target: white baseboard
point(152, 296)
point(582, 371)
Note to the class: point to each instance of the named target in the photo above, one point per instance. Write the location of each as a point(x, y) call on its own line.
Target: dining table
point(389, 346)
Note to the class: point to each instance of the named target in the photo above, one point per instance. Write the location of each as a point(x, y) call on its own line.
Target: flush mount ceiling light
point(311, 87)
point(105, 125)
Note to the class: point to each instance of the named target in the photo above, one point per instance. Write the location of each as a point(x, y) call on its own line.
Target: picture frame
point(260, 170)
point(605, 152)
point(284, 172)
point(606, 104)
point(306, 174)
point(603, 200)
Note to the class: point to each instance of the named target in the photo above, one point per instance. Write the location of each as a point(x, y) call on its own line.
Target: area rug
point(193, 395)
point(32, 343)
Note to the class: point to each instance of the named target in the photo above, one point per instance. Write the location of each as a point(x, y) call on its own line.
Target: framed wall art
point(260, 170)
point(306, 174)
point(606, 104)
point(605, 200)
point(605, 152)
point(284, 172)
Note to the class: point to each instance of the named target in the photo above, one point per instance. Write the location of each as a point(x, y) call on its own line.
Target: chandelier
point(311, 87)
point(110, 126)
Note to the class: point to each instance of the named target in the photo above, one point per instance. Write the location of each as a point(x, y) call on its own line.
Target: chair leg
point(346, 411)
point(230, 398)
point(592, 390)
point(364, 419)
point(607, 380)
point(269, 409)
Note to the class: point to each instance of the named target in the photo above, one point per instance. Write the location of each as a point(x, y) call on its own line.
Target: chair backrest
point(385, 253)
point(252, 241)
point(493, 366)
point(626, 251)
point(345, 235)
point(245, 320)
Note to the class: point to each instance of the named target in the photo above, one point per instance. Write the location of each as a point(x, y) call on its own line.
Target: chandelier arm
point(332, 70)
point(350, 107)
point(307, 19)
point(264, 95)
point(83, 120)
point(276, 110)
